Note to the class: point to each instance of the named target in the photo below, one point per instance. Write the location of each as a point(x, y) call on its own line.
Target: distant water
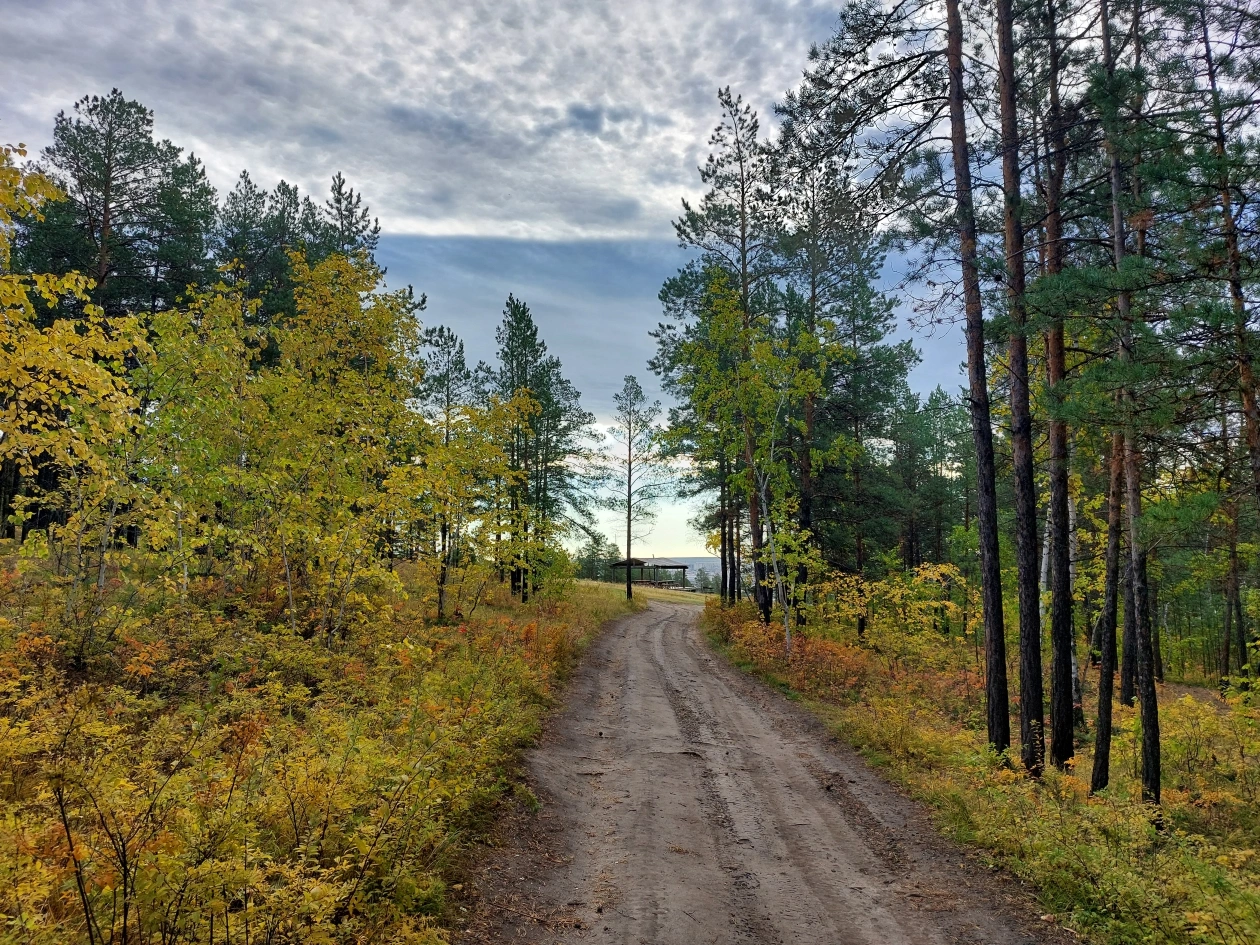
point(712, 565)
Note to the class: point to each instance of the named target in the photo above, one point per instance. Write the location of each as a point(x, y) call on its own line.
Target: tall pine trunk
point(1144, 659)
point(1062, 642)
point(997, 700)
point(1101, 775)
point(1231, 579)
point(1229, 225)
point(1031, 701)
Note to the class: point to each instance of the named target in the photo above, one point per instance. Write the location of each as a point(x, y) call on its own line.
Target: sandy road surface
point(684, 802)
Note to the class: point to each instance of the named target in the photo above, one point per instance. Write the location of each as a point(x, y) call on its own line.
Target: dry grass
point(656, 593)
point(910, 698)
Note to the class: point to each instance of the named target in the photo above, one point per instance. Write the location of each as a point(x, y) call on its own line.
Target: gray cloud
point(595, 304)
point(533, 146)
point(590, 114)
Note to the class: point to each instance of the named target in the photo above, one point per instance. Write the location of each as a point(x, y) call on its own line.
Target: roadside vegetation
point(282, 584)
point(1026, 595)
point(909, 694)
point(216, 773)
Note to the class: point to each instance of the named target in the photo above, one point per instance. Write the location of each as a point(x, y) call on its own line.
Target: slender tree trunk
point(1128, 654)
point(1148, 702)
point(761, 593)
point(524, 568)
point(1240, 628)
point(806, 512)
point(996, 689)
point(1229, 224)
point(629, 507)
point(775, 572)
point(441, 588)
point(1062, 642)
point(730, 547)
point(1144, 657)
point(1031, 701)
point(859, 542)
point(722, 544)
point(107, 232)
point(1078, 668)
point(1231, 512)
point(732, 542)
point(1101, 775)
point(498, 522)
point(1047, 557)
point(1155, 630)
point(1226, 661)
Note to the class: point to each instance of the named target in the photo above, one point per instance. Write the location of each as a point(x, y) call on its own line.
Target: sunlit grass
point(910, 699)
point(642, 592)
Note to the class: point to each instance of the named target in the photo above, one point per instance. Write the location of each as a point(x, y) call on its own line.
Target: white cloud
point(537, 119)
point(560, 133)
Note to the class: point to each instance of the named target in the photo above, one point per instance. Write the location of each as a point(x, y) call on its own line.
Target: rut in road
point(687, 803)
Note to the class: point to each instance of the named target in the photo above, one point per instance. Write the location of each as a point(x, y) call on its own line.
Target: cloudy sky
point(533, 146)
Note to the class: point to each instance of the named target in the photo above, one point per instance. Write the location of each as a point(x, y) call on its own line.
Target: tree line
point(283, 585)
point(1072, 183)
point(227, 391)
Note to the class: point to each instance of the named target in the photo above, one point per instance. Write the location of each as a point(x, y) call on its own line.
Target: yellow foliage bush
point(223, 714)
point(909, 694)
point(234, 782)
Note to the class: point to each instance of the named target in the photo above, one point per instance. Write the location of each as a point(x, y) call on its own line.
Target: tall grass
point(909, 696)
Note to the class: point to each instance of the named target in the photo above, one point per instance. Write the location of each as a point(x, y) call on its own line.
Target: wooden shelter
point(658, 572)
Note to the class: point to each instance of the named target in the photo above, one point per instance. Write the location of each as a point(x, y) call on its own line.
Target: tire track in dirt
point(685, 802)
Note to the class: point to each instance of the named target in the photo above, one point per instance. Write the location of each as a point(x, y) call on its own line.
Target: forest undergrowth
point(223, 779)
point(909, 695)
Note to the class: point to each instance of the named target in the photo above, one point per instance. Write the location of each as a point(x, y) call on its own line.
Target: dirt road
point(684, 802)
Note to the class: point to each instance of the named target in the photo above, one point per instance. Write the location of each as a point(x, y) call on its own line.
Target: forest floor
point(683, 801)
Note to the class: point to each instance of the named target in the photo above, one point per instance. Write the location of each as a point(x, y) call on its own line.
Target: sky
point(539, 147)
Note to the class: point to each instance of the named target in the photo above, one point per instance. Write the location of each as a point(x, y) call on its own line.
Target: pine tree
point(546, 446)
point(351, 226)
point(138, 213)
point(736, 227)
point(640, 474)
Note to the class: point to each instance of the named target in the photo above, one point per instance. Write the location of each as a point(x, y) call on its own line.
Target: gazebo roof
point(664, 564)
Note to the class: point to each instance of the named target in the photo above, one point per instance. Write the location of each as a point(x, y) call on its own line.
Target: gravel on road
point(685, 802)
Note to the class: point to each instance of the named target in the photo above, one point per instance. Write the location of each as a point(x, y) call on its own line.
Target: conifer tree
point(546, 446)
point(736, 226)
point(639, 471)
point(138, 213)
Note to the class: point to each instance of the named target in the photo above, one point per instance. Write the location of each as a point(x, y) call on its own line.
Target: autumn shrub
point(221, 778)
point(260, 675)
point(908, 693)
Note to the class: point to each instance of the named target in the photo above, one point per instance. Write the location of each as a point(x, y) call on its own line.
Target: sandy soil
point(685, 802)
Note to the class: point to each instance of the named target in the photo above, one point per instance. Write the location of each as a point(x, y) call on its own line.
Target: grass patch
point(909, 698)
point(215, 769)
point(643, 593)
